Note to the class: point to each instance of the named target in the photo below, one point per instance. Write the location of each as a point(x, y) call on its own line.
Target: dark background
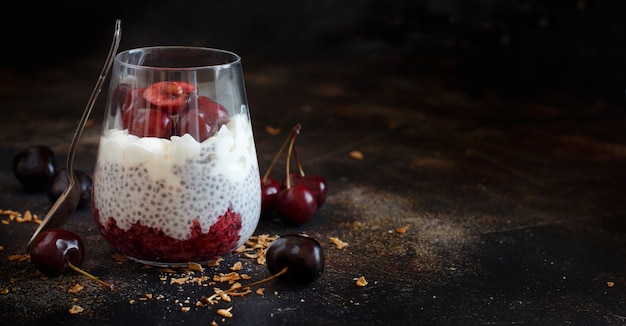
point(494, 129)
point(525, 49)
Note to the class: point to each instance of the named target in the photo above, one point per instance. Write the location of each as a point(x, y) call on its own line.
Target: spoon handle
point(92, 100)
point(65, 205)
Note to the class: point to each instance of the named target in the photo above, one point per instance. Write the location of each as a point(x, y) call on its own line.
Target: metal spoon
point(66, 204)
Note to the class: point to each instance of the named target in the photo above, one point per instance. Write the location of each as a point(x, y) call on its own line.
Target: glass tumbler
point(176, 178)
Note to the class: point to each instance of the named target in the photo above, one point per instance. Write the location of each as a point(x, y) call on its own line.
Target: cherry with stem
point(269, 185)
point(316, 183)
point(293, 258)
point(295, 203)
point(55, 251)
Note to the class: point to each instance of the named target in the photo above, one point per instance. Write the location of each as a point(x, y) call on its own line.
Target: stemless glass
point(176, 178)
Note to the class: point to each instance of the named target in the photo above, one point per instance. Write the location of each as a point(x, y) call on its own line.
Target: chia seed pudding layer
point(176, 200)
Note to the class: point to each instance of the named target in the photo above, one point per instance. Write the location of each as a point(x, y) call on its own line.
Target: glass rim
point(233, 59)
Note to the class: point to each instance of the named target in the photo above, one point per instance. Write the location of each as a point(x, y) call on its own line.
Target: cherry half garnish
point(55, 251)
point(295, 204)
point(169, 96)
point(33, 167)
point(292, 258)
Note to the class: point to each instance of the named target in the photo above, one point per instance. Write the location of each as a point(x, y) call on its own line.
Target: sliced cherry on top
point(301, 255)
point(145, 122)
point(169, 96)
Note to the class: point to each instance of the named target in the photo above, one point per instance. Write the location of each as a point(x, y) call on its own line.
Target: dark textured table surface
point(511, 189)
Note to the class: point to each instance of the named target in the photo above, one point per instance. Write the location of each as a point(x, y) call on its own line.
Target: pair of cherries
point(35, 168)
point(169, 108)
point(299, 196)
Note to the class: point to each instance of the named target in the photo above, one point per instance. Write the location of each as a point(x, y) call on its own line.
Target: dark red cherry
point(60, 181)
point(296, 205)
point(303, 256)
point(317, 184)
point(203, 118)
point(190, 122)
point(212, 111)
point(169, 96)
point(53, 248)
point(120, 95)
point(269, 192)
point(33, 167)
point(134, 100)
point(150, 123)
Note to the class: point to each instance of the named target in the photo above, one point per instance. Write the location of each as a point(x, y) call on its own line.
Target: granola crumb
point(185, 309)
point(225, 312)
point(24, 257)
point(4, 291)
point(402, 230)
point(76, 309)
point(26, 217)
point(76, 288)
point(236, 266)
point(361, 281)
point(195, 267)
point(610, 284)
point(338, 243)
point(357, 155)
point(119, 257)
point(273, 130)
point(216, 262)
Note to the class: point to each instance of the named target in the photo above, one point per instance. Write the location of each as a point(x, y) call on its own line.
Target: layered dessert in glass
point(176, 178)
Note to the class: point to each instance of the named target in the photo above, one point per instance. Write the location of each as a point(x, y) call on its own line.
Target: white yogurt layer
point(166, 184)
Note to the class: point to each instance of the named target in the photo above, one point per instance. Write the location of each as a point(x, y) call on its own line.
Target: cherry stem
point(300, 169)
point(80, 271)
point(289, 151)
point(294, 130)
point(247, 286)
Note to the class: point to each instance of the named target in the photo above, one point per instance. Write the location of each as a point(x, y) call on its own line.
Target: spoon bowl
point(66, 204)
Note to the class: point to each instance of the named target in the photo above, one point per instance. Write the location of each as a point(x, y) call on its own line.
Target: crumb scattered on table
point(357, 155)
point(361, 281)
point(338, 243)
